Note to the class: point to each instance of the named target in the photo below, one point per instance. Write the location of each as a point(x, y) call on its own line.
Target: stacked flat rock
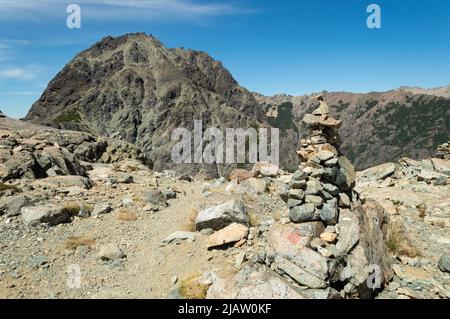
point(443, 151)
point(324, 182)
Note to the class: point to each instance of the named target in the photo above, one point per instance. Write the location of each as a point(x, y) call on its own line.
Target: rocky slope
point(134, 88)
point(118, 229)
point(377, 127)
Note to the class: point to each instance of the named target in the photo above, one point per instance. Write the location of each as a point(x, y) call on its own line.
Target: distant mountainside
point(135, 88)
point(441, 91)
point(132, 87)
point(377, 127)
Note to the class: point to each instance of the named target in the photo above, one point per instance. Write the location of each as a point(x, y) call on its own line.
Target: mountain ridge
point(134, 88)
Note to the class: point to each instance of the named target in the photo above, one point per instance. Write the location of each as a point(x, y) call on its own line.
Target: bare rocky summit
point(133, 88)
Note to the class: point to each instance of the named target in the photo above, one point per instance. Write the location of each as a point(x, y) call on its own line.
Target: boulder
point(265, 169)
point(346, 176)
point(441, 166)
point(101, 208)
point(329, 212)
point(239, 175)
point(66, 181)
point(12, 205)
point(299, 274)
point(227, 236)
point(250, 283)
point(444, 262)
point(51, 215)
point(303, 213)
point(220, 216)
point(156, 198)
point(111, 252)
point(289, 240)
point(317, 121)
point(377, 173)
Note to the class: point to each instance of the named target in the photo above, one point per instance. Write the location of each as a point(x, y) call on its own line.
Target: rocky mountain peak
point(134, 87)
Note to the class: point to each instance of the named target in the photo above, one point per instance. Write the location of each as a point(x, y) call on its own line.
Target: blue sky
point(295, 47)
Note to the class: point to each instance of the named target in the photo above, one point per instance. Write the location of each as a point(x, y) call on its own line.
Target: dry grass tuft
point(191, 288)
point(127, 216)
point(72, 243)
point(72, 208)
point(253, 219)
point(398, 242)
point(4, 187)
point(422, 210)
point(190, 225)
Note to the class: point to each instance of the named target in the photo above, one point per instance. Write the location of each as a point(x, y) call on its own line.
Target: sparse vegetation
point(4, 187)
point(126, 215)
point(190, 226)
point(253, 219)
point(71, 116)
point(72, 208)
point(72, 243)
point(191, 288)
point(398, 241)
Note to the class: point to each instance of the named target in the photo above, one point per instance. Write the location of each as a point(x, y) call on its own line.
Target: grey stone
point(313, 187)
point(178, 237)
point(125, 179)
point(110, 252)
point(329, 212)
point(170, 194)
point(377, 173)
point(101, 208)
point(312, 199)
point(330, 188)
point(346, 176)
point(69, 181)
point(298, 184)
point(344, 200)
point(220, 216)
point(312, 262)
point(317, 242)
point(444, 262)
point(296, 194)
point(294, 202)
point(331, 162)
point(324, 155)
point(207, 231)
point(299, 274)
point(303, 213)
point(39, 261)
point(299, 175)
point(348, 230)
point(155, 197)
point(12, 205)
point(51, 215)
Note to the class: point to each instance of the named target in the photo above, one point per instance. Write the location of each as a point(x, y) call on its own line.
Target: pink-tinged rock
point(441, 166)
point(328, 237)
point(227, 236)
point(289, 240)
point(265, 169)
point(240, 174)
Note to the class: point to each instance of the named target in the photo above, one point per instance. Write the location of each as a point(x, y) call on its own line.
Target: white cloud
point(19, 73)
point(7, 48)
point(97, 9)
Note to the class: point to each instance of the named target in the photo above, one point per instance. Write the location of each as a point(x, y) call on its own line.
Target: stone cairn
point(443, 151)
point(324, 183)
